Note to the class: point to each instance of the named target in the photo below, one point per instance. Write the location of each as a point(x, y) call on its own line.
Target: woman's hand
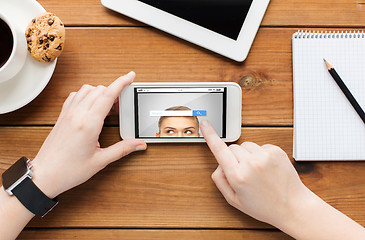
point(71, 154)
point(259, 181)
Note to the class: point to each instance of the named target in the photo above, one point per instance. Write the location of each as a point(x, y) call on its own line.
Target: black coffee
point(6, 42)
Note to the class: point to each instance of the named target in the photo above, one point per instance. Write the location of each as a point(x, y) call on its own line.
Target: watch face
point(16, 171)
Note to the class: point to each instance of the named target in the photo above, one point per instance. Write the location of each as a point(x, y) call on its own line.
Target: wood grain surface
point(100, 55)
point(153, 234)
point(154, 190)
point(325, 13)
point(158, 194)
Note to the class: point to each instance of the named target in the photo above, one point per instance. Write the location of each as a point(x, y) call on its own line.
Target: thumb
point(121, 149)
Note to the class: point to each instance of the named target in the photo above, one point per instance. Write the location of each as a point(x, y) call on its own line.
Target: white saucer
point(34, 76)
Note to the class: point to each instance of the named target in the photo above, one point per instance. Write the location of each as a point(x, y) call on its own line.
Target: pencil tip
point(327, 64)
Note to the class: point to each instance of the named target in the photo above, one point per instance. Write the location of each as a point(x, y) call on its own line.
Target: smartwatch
point(17, 180)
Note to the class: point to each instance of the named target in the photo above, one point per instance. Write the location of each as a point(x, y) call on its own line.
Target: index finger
point(103, 105)
point(221, 152)
point(116, 87)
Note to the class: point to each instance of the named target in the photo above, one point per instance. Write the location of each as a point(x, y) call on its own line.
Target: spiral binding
point(301, 34)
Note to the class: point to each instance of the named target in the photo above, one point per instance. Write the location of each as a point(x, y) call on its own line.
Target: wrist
point(17, 181)
point(44, 180)
point(11, 206)
point(312, 218)
point(299, 211)
point(308, 214)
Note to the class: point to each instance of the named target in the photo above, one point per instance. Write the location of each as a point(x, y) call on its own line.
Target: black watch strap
point(33, 198)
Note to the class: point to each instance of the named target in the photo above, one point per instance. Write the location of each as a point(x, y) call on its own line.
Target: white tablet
point(227, 27)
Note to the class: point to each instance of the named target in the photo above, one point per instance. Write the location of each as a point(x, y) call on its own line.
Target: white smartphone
point(171, 112)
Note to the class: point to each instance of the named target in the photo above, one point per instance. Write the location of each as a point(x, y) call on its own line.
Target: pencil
point(345, 90)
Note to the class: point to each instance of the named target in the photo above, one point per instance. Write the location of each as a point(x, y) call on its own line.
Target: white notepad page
point(326, 126)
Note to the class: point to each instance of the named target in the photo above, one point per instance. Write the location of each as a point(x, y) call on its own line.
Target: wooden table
point(166, 192)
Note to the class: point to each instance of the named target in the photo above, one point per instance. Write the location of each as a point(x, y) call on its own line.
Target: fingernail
point(141, 147)
point(131, 73)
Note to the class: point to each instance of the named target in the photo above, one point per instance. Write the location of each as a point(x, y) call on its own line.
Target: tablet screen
point(176, 112)
point(225, 17)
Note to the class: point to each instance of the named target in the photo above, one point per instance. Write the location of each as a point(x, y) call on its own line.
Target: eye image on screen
point(178, 125)
point(177, 112)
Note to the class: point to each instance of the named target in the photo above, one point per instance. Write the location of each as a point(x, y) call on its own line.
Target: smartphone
point(171, 112)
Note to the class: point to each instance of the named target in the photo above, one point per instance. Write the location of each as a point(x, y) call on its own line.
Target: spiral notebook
point(326, 126)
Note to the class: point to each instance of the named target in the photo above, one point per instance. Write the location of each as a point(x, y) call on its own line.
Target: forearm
point(312, 218)
point(13, 216)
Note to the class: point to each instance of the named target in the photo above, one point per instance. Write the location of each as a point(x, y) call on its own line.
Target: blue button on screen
point(201, 113)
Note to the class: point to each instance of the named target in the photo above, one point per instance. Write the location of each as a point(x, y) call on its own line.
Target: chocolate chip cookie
point(45, 37)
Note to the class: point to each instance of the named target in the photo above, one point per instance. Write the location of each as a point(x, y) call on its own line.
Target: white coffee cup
point(19, 52)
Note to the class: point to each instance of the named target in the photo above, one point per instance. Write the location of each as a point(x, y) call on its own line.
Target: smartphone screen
point(175, 112)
